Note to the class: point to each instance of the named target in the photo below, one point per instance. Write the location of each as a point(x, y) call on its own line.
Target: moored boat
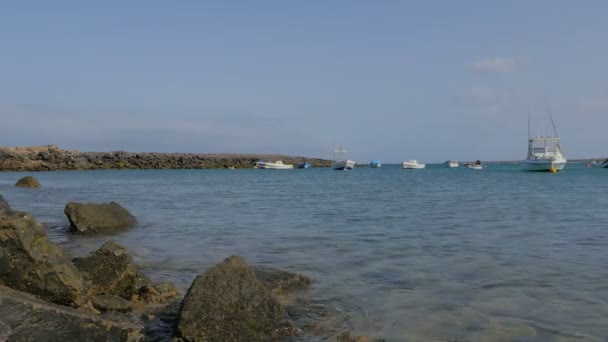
point(477, 165)
point(375, 164)
point(451, 163)
point(278, 165)
point(341, 164)
point(544, 153)
point(412, 164)
point(304, 166)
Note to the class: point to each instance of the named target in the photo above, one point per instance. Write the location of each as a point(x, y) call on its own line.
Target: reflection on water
point(435, 254)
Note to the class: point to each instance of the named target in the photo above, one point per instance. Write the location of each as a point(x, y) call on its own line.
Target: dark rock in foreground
point(28, 182)
point(51, 157)
point(228, 303)
point(347, 337)
point(4, 206)
point(26, 318)
point(29, 262)
point(110, 271)
point(93, 217)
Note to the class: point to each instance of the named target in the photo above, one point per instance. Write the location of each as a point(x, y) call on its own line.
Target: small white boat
point(341, 164)
point(602, 165)
point(475, 166)
point(451, 163)
point(412, 164)
point(544, 153)
point(278, 165)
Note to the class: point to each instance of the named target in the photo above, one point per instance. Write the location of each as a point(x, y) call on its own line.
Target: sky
point(388, 80)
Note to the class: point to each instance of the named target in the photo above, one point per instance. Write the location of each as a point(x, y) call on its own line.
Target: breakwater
point(51, 158)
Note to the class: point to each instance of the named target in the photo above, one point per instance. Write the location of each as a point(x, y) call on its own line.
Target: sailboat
point(544, 152)
point(341, 164)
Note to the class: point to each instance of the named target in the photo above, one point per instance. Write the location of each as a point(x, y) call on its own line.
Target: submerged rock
point(28, 182)
point(26, 318)
point(228, 303)
point(29, 262)
point(93, 217)
point(4, 206)
point(280, 282)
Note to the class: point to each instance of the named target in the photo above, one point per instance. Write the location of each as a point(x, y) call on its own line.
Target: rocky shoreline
point(47, 296)
point(51, 158)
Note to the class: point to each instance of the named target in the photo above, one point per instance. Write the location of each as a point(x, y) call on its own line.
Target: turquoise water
point(409, 255)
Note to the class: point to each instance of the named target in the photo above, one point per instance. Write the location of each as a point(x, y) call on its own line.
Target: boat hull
point(544, 165)
point(413, 167)
point(451, 164)
point(343, 165)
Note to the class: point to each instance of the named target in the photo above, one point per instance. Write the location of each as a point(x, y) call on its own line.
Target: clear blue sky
point(390, 80)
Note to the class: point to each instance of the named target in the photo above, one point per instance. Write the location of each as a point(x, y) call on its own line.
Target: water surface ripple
point(435, 254)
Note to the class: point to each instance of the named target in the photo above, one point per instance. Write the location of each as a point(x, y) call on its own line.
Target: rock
point(30, 262)
point(92, 217)
point(4, 206)
point(280, 282)
point(347, 337)
point(228, 303)
point(28, 182)
point(105, 303)
point(26, 318)
point(109, 271)
point(155, 293)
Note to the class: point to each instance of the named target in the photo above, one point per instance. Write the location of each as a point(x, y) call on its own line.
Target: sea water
point(408, 255)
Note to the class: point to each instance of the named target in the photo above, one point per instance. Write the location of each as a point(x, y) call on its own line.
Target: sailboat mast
point(528, 124)
point(552, 123)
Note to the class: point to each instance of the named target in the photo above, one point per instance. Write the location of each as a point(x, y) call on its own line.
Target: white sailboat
point(412, 164)
point(341, 164)
point(544, 153)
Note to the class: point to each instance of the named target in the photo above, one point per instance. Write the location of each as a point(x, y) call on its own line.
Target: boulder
point(28, 182)
point(347, 337)
point(92, 217)
point(108, 271)
point(30, 262)
point(4, 206)
point(228, 303)
point(280, 282)
point(26, 318)
point(105, 303)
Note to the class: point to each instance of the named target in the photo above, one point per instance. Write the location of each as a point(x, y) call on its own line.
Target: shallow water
point(409, 255)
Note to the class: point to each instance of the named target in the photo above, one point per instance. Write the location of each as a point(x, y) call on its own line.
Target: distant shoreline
point(53, 158)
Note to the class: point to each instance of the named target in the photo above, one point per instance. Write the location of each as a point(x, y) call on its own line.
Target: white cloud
point(497, 65)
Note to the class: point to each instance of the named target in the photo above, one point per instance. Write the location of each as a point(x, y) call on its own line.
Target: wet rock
point(29, 262)
point(280, 282)
point(228, 303)
point(28, 182)
point(26, 318)
point(347, 337)
point(108, 271)
point(105, 303)
point(151, 293)
point(93, 217)
point(4, 206)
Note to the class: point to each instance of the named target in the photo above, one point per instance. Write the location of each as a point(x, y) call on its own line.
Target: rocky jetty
point(51, 157)
point(28, 182)
point(94, 218)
